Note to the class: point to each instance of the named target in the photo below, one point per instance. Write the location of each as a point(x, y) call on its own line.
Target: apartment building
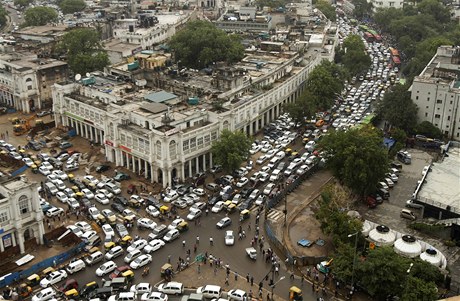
point(436, 91)
point(166, 134)
point(21, 217)
point(26, 80)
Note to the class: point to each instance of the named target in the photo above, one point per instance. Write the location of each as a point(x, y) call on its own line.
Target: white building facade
point(21, 216)
point(436, 92)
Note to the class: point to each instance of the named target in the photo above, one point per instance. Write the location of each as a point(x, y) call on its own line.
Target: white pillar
point(22, 249)
point(190, 168)
point(146, 166)
point(197, 164)
point(152, 175)
point(204, 162)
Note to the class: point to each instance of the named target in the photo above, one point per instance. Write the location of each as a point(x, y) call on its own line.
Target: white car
point(61, 196)
point(101, 198)
point(88, 193)
point(28, 162)
point(46, 294)
point(91, 179)
point(54, 211)
point(269, 188)
point(199, 191)
point(255, 149)
point(60, 174)
point(154, 296)
point(129, 214)
point(47, 165)
point(84, 226)
point(106, 268)
point(175, 223)
point(53, 278)
point(108, 230)
point(152, 211)
point(137, 245)
point(44, 171)
point(141, 288)
point(69, 192)
point(242, 181)
point(193, 214)
point(77, 231)
point(60, 185)
point(141, 261)
point(94, 213)
point(146, 223)
point(237, 295)
point(217, 207)
point(171, 196)
point(229, 238)
point(153, 246)
point(105, 192)
point(73, 203)
point(264, 176)
point(52, 178)
point(114, 252)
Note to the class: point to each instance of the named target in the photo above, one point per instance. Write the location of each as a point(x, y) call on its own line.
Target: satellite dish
point(88, 74)
point(77, 77)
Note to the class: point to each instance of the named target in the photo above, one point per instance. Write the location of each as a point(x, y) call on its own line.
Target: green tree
point(231, 149)
point(22, 3)
point(270, 3)
point(302, 107)
point(417, 289)
point(200, 44)
point(428, 129)
point(327, 9)
point(356, 157)
point(3, 15)
point(362, 9)
point(385, 16)
point(440, 12)
point(383, 272)
point(334, 221)
point(398, 108)
point(343, 262)
point(84, 50)
point(324, 83)
point(72, 6)
point(40, 15)
point(355, 59)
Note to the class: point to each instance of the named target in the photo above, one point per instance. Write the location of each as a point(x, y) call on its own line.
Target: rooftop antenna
point(77, 77)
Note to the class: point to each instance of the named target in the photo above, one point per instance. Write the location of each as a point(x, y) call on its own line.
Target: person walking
point(211, 241)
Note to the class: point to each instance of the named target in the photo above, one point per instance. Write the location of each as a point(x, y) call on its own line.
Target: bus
point(363, 28)
point(394, 51)
point(396, 61)
point(378, 38)
point(369, 37)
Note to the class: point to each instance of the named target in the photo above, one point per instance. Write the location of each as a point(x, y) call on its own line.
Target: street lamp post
point(274, 284)
point(354, 261)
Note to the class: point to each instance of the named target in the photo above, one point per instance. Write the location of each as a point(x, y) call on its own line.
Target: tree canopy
point(303, 106)
point(327, 9)
point(363, 8)
point(324, 83)
point(398, 109)
point(22, 3)
point(40, 15)
point(71, 6)
point(356, 157)
point(84, 50)
point(201, 44)
point(3, 14)
point(428, 129)
point(231, 149)
point(353, 55)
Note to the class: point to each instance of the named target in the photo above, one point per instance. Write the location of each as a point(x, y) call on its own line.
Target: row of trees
point(3, 16)
point(381, 272)
point(353, 56)
point(42, 15)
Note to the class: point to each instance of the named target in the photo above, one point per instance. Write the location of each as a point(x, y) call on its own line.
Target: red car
point(68, 285)
point(119, 271)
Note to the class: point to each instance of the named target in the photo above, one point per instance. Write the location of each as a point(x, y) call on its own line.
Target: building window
point(172, 149)
point(437, 116)
point(3, 217)
point(23, 204)
point(426, 114)
point(192, 144)
point(158, 149)
point(416, 97)
point(213, 136)
point(200, 142)
point(448, 118)
point(439, 101)
point(185, 145)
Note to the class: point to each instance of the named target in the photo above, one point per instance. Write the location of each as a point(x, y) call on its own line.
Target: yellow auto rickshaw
point(47, 271)
point(182, 227)
point(166, 271)
point(24, 290)
point(129, 219)
point(305, 140)
point(126, 241)
point(100, 219)
point(33, 280)
point(75, 189)
point(295, 294)
point(88, 288)
point(245, 214)
point(109, 245)
point(71, 293)
point(288, 151)
point(15, 120)
point(129, 275)
point(91, 186)
point(231, 208)
point(34, 168)
point(93, 250)
point(164, 209)
point(79, 194)
point(71, 177)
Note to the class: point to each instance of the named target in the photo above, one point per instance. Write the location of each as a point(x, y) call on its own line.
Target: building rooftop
point(441, 187)
point(25, 61)
point(159, 97)
point(43, 30)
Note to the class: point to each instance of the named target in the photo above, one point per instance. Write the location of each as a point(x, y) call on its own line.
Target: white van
point(94, 258)
point(171, 288)
point(123, 296)
point(210, 291)
point(75, 266)
point(273, 162)
point(280, 155)
point(132, 255)
point(51, 188)
point(171, 235)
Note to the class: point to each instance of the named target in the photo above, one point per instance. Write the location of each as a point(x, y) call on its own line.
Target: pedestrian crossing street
point(275, 215)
